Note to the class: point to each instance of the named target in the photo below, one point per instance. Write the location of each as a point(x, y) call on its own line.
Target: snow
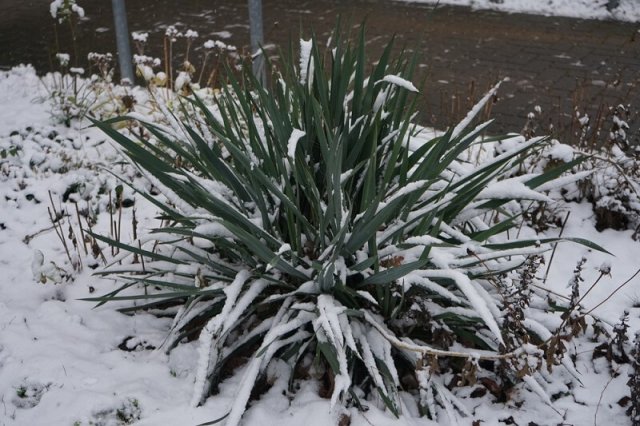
point(57, 9)
point(400, 82)
point(627, 10)
point(475, 299)
point(63, 59)
point(295, 137)
point(66, 354)
point(306, 62)
point(222, 34)
point(561, 152)
point(139, 36)
point(182, 80)
point(464, 123)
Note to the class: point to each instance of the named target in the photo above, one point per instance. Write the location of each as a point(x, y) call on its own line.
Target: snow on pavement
point(627, 10)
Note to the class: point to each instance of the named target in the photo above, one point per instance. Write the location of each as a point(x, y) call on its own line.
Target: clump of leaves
point(314, 220)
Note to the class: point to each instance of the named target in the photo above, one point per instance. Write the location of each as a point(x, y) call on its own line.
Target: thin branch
point(564, 224)
point(614, 292)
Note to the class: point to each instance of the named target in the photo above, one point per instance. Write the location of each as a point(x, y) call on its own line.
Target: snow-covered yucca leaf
point(311, 218)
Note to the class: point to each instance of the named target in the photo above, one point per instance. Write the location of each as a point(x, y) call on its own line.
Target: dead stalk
point(142, 258)
point(84, 241)
point(553, 252)
point(111, 232)
point(55, 221)
point(614, 292)
point(134, 227)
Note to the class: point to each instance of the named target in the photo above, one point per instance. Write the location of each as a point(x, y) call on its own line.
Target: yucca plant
point(312, 223)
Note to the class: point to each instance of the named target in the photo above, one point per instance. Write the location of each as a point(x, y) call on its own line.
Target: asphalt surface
point(559, 64)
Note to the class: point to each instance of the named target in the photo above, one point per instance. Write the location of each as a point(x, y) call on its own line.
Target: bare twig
point(595, 416)
point(142, 258)
point(27, 239)
point(55, 220)
point(553, 252)
point(84, 242)
point(614, 292)
point(111, 232)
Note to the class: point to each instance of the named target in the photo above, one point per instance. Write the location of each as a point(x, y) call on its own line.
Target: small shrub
point(313, 221)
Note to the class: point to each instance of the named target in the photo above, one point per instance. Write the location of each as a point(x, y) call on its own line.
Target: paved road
point(556, 63)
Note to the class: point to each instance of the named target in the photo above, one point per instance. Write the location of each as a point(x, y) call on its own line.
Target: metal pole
point(122, 40)
point(257, 40)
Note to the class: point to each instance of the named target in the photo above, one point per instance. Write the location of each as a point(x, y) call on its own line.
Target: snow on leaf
point(414, 279)
point(306, 61)
point(511, 189)
point(535, 387)
point(366, 295)
point(213, 330)
point(565, 180)
point(457, 131)
point(400, 82)
point(295, 137)
point(475, 299)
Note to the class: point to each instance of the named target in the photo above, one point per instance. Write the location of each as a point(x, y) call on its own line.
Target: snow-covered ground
point(65, 362)
point(623, 10)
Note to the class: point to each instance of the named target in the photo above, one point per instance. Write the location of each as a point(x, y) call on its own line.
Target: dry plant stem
point(94, 243)
point(602, 274)
point(614, 292)
point(562, 296)
point(111, 233)
point(27, 239)
point(74, 41)
point(144, 270)
point(589, 312)
point(186, 56)
point(115, 227)
point(595, 416)
point(134, 227)
point(170, 64)
point(522, 223)
point(166, 58)
point(571, 309)
point(204, 65)
point(84, 242)
point(212, 76)
point(58, 227)
point(156, 242)
point(56, 38)
point(614, 164)
point(119, 228)
point(555, 246)
point(74, 240)
point(497, 285)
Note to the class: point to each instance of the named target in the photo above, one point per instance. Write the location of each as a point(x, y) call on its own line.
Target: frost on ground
point(64, 361)
point(623, 10)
